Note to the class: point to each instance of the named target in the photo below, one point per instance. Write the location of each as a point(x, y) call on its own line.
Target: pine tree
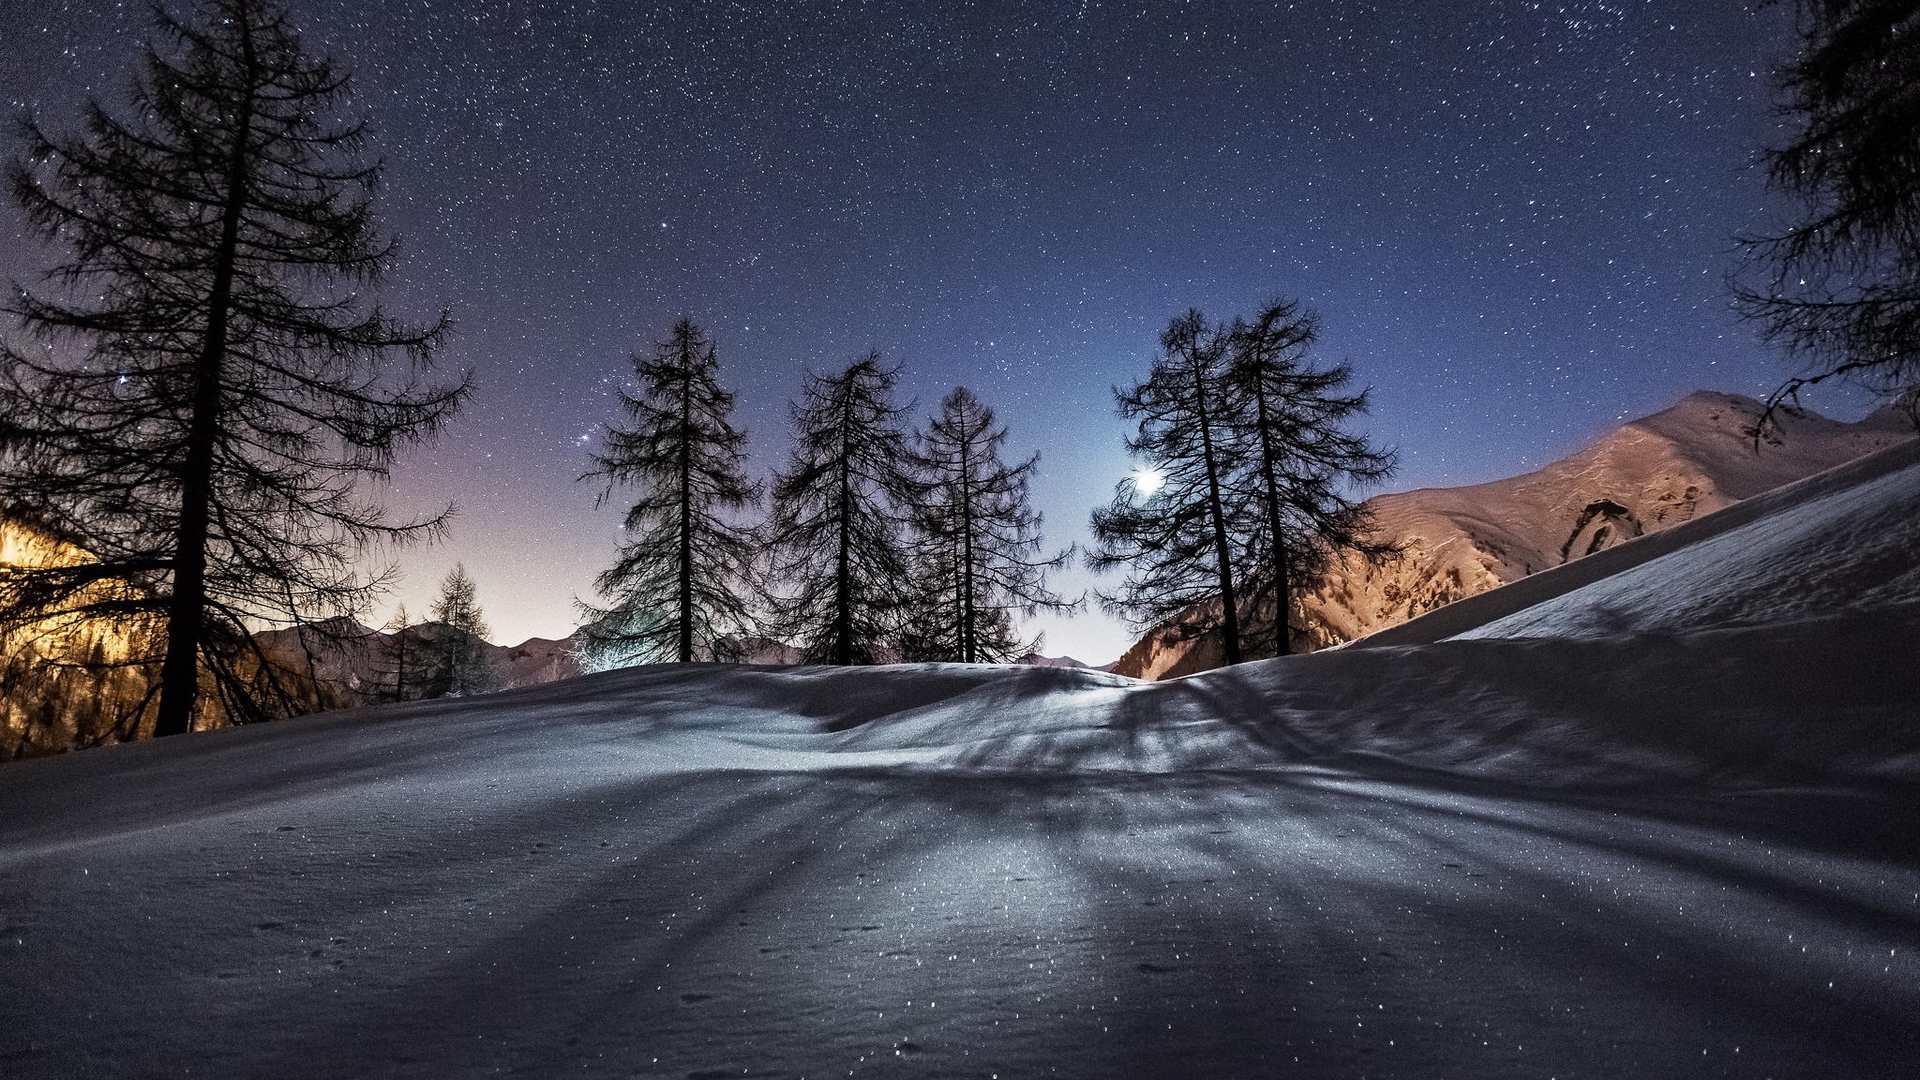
point(680, 582)
point(207, 440)
point(979, 560)
point(1177, 541)
point(839, 554)
point(1841, 285)
point(460, 664)
point(1298, 465)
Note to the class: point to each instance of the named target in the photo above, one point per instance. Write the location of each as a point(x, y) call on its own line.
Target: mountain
point(1036, 660)
point(1644, 476)
point(537, 660)
point(66, 681)
point(362, 661)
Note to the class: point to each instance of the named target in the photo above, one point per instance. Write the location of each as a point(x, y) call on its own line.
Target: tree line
point(878, 542)
point(885, 544)
point(210, 387)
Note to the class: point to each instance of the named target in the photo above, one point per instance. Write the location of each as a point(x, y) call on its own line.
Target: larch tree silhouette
point(980, 557)
point(1176, 541)
point(214, 385)
point(838, 542)
point(683, 575)
point(1299, 466)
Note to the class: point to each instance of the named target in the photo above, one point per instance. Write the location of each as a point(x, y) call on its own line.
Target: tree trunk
point(186, 608)
point(1230, 628)
point(843, 569)
point(1282, 570)
point(969, 636)
point(685, 650)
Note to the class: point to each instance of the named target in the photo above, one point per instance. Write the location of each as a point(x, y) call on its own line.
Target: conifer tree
point(1256, 469)
point(230, 386)
point(1840, 285)
point(839, 553)
point(1177, 541)
point(684, 571)
point(979, 549)
point(1298, 465)
point(400, 675)
point(461, 665)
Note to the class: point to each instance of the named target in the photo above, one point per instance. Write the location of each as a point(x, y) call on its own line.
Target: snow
point(1656, 821)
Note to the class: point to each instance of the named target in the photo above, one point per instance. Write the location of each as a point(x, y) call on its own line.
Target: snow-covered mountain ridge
point(1641, 478)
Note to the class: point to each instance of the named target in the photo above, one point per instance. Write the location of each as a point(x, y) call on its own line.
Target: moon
point(1148, 481)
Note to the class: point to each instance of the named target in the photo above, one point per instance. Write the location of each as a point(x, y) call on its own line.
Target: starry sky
point(1515, 219)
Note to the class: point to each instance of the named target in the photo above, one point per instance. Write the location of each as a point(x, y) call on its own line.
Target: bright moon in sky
point(1148, 481)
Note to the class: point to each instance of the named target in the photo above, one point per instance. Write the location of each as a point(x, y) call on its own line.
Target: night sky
point(1515, 219)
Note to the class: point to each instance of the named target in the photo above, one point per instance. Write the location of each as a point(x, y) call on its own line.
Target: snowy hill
point(1657, 821)
point(1645, 476)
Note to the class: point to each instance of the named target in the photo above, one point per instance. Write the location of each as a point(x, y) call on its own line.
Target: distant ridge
point(359, 659)
point(1647, 475)
point(1036, 660)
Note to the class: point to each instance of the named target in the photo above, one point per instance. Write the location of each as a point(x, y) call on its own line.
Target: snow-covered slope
point(1644, 477)
point(1666, 828)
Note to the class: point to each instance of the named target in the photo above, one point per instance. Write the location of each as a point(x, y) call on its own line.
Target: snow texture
point(1657, 822)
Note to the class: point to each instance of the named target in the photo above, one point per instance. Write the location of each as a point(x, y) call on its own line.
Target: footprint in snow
point(694, 999)
point(1155, 969)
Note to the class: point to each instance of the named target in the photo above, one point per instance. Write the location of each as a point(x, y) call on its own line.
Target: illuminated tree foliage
point(459, 664)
